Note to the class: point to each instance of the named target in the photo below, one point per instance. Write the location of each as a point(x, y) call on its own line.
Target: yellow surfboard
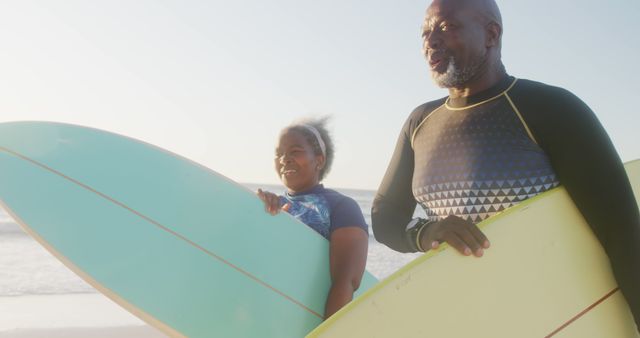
point(555, 281)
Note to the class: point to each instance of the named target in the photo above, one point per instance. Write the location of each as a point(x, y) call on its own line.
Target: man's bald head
point(486, 10)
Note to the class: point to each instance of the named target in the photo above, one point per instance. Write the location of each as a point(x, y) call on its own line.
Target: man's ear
point(494, 33)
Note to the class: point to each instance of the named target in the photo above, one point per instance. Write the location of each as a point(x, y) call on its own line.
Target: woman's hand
point(271, 201)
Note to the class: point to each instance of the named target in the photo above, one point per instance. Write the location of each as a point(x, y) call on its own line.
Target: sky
point(215, 81)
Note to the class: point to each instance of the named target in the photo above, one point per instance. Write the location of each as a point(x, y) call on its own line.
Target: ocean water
point(26, 268)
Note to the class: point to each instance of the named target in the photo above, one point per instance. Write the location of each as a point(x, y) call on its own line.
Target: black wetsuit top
point(474, 156)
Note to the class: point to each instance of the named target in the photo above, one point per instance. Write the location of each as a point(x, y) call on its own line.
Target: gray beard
point(454, 76)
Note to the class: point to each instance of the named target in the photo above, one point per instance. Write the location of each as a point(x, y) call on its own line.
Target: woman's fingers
point(271, 201)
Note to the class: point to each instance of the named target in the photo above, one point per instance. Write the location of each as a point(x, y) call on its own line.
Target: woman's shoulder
point(345, 211)
point(334, 194)
point(339, 200)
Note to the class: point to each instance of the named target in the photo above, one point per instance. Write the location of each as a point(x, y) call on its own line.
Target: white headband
point(315, 132)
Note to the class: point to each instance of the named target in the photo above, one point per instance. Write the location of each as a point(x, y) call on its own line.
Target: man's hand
point(463, 235)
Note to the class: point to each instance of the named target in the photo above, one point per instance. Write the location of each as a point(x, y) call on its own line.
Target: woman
point(303, 158)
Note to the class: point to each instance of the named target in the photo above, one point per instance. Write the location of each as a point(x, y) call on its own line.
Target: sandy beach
point(96, 332)
point(70, 315)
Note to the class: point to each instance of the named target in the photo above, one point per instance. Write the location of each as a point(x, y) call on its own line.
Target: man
point(496, 131)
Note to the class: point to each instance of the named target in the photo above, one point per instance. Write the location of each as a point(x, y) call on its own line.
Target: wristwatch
point(413, 231)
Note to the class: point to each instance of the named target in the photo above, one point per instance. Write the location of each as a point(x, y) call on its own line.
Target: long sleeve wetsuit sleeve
point(394, 203)
point(591, 171)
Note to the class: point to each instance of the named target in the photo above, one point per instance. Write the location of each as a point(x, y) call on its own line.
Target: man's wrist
point(414, 231)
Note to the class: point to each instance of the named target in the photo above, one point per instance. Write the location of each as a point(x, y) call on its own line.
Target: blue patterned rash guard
point(324, 210)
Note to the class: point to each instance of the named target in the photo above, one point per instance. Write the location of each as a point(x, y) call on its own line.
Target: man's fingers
point(480, 237)
point(466, 235)
point(463, 235)
point(456, 242)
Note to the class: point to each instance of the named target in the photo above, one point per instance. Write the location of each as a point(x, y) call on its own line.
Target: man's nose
point(431, 40)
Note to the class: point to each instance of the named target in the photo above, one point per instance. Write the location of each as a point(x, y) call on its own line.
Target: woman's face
point(296, 163)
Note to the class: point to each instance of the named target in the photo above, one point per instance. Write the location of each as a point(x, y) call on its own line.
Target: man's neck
point(482, 83)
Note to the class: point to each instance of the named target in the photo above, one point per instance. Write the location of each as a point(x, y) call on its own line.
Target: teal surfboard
point(180, 246)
